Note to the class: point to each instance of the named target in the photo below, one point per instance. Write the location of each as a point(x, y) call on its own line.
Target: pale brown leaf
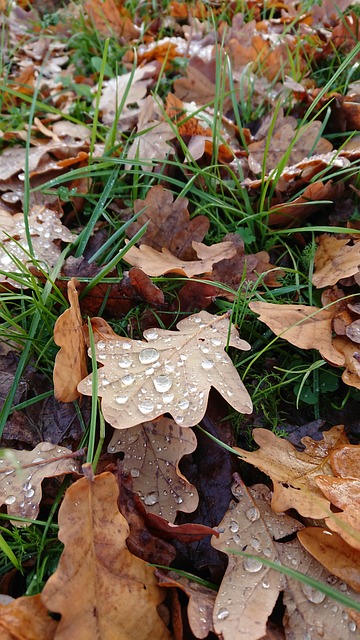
point(344, 493)
point(100, 589)
point(334, 260)
point(170, 373)
point(21, 475)
point(152, 452)
point(111, 19)
point(70, 362)
point(26, 618)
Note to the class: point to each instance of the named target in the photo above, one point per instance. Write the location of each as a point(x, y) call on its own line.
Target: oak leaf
point(334, 553)
point(334, 260)
point(151, 140)
point(155, 264)
point(111, 19)
point(70, 362)
point(21, 475)
point(98, 583)
point(26, 618)
point(152, 452)
point(294, 473)
point(350, 352)
point(303, 326)
point(169, 223)
point(170, 373)
point(344, 493)
point(249, 589)
point(199, 83)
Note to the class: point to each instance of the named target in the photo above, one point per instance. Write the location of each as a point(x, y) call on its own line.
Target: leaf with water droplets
point(249, 590)
point(170, 373)
point(152, 452)
point(101, 589)
point(70, 362)
point(22, 472)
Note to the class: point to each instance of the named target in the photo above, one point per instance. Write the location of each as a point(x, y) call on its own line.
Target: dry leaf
point(199, 84)
point(344, 493)
point(99, 585)
point(294, 473)
point(333, 553)
point(26, 618)
point(249, 590)
point(111, 19)
point(70, 362)
point(305, 327)
point(170, 373)
point(169, 223)
point(152, 452)
point(335, 260)
point(21, 475)
point(157, 264)
point(350, 352)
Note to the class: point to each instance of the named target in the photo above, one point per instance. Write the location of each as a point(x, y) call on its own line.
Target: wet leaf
point(157, 264)
point(334, 260)
point(170, 373)
point(70, 362)
point(169, 223)
point(26, 618)
point(152, 452)
point(151, 141)
point(111, 19)
point(249, 590)
point(294, 473)
point(21, 475)
point(344, 493)
point(98, 583)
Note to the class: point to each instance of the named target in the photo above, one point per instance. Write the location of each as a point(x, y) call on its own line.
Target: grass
point(282, 380)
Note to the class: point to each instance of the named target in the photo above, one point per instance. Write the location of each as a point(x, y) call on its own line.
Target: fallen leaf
point(344, 493)
point(333, 553)
point(26, 618)
point(111, 19)
point(305, 327)
point(21, 475)
point(334, 260)
point(199, 83)
point(294, 473)
point(70, 362)
point(169, 223)
point(350, 352)
point(249, 590)
point(289, 213)
point(152, 452)
point(98, 583)
point(155, 264)
point(170, 373)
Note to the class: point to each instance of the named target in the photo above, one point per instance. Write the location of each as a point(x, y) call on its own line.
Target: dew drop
point(169, 366)
point(216, 342)
point(255, 543)
point(29, 493)
point(252, 565)
point(167, 398)
point(27, 486)
point(311, 594)
point(127, 380)
point(267, 552)
point(252, 514)
point(111, 449)
point(183, 357)
point(8, 472)
point(265, 584)
point(151, 334)
point(179, 419)
point(147, 356)
point(223, 614)
point(36, 460)
point(343, 586)
point(124, 362)
point(126, 345)
point(100, 346)
point(179, 500)
point(134, 473)
point(207, 364)
point(196, 319)
point(234, 527)
point(10, 500)
point(204, 348)
point(146, 407)
point(162, 383)
point(183, 404)
point(121, 399)
point(149, 371)
point(352, 625)
point(151, 499)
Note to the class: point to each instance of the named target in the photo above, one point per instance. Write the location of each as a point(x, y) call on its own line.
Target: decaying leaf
point(294, 473)
point(249, 589)
point(70, 362)
point(152, 452)
point(111, 19)
point(44, 227)
point(333, 553)
point(344, 493)
point(99, 584)
point(170, 373)
point(169, 223)
point(305, 327)
point(26, 618)
point(157, 264)
point(22, 472)
point(335, 259)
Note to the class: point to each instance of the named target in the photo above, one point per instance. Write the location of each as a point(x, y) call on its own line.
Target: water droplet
point(234, 527)
point(207, 364)
point(135, 473)
point(10, 500)
point(252, 565)
point(179, 500)
point(27, 486)
point(183, 357)
point(151, 499)
point(149, 371)
point(126, 345)
point(265, 584)
point(169, 366)
point(342, 586)
point(100, 346)
point(146, 407)
point(124, 362)
point(167, 398)
point(29, 493)
point(223, 613)
point(255, 543)
point(183, 404)
point(204, 348)
point(267, 552)
point(147, 356)
point(39, 460)
point(127, 380)
point(121, 399)
point(162, 383)
point(8, 472)
point(252, 514)
point(334, 608)
point(111, 448)
point(151, 334)
point(312, 594)
point(179, 419)
point(352, 625)
point(216, 342)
